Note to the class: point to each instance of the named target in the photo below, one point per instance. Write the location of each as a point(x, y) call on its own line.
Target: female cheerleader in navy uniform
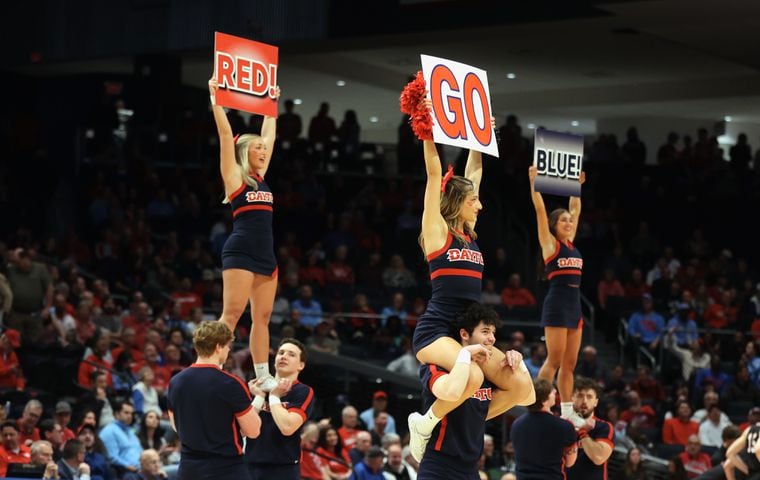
point(249, 267)
point(561, 314)
point(451, 207)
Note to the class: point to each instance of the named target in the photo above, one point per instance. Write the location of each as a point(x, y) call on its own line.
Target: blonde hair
point(208, 335)
point(452, 201)
point(241, 158)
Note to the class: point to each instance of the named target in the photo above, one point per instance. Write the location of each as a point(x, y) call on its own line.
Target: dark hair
point(297, 343)
point(543, 389)
point(157, 436)
point(322, 441)
point(470, 318)
point(117, 405)
point(585, 383)
point(629, 467)
point(72, 448)
point(9, 423)
point(731, 432)
point(47, 425)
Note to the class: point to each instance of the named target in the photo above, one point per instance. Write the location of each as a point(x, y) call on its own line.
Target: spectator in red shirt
point(63, 418)
point(128, 342)
point(695, 461)
point(650, 391)
point(636, 287)
point(99, 359)
point(609, 286)
point(186, 298)
point(27, 424)
point(641, 416)
point(339, 275)
point(139, 320)
point(84, 326)
point(721, 314)
point(12, 450)
point(678, 430)
point(313, 273)
point(11, 376)
point(312, 465)
point(349, 429)
point(330, 448)
point(514, 295)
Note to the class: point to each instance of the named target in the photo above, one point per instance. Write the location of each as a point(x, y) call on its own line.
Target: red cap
point(13, 337)
point(379, 394)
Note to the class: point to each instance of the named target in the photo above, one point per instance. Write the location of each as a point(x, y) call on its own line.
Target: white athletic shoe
point(417, 441)
point(576, 420)
point(269, 384)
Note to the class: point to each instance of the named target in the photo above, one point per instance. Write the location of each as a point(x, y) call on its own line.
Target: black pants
point(279, 472)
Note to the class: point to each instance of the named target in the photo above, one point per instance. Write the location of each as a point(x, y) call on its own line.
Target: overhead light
point(297, 101)
point(374, 119)
point(575, 123)
point(511, 76)
point(531, 126)
point(341, 83)
point(728, 118)
point(162, 137)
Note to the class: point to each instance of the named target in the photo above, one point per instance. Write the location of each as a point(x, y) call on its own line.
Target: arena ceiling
point(693, 59)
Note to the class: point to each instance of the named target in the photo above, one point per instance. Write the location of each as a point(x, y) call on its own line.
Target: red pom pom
point(412, 103)
point(422, 125)
point(413, 95)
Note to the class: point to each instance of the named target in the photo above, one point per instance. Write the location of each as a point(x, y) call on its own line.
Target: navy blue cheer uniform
point(273, 455)
point(748, 453)
point(540, 440)
point(562, 305)
point(251, 244)
point(205, 402)
point(456, 274)
point(584, 468)
point(456, 443)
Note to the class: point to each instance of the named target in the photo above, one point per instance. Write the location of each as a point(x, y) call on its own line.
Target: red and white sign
point(247, 74)
point(461, 104)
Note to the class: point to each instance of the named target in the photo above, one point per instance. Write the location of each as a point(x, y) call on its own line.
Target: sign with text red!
point(461, 104)
point(247, 74)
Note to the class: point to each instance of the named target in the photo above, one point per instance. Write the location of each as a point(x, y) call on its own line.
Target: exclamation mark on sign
point(273, 82)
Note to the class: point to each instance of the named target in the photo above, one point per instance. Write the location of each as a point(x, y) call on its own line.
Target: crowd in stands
point(98, 314)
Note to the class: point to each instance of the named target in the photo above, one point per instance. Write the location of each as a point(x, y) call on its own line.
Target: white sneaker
point(417, 441)
point(268, 384)
point(576, 420)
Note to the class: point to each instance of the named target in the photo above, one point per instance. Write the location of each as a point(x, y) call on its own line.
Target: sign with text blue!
point(558, 157)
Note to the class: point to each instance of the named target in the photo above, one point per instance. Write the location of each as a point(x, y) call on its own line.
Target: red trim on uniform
point(449, 238)
point(580, 323)
point(247, 208)
point(242, 384)
point(308, 400)
point(466, 237)
point(237, 192)
point(441, 433)
point(456, 271)
point(299, 412)
point(205, 365)
point(276, 270)
point(256, 176)
point(571, 271)
point(556, 252)
point(236, 436)
point(435, 374)
point(240, 414)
